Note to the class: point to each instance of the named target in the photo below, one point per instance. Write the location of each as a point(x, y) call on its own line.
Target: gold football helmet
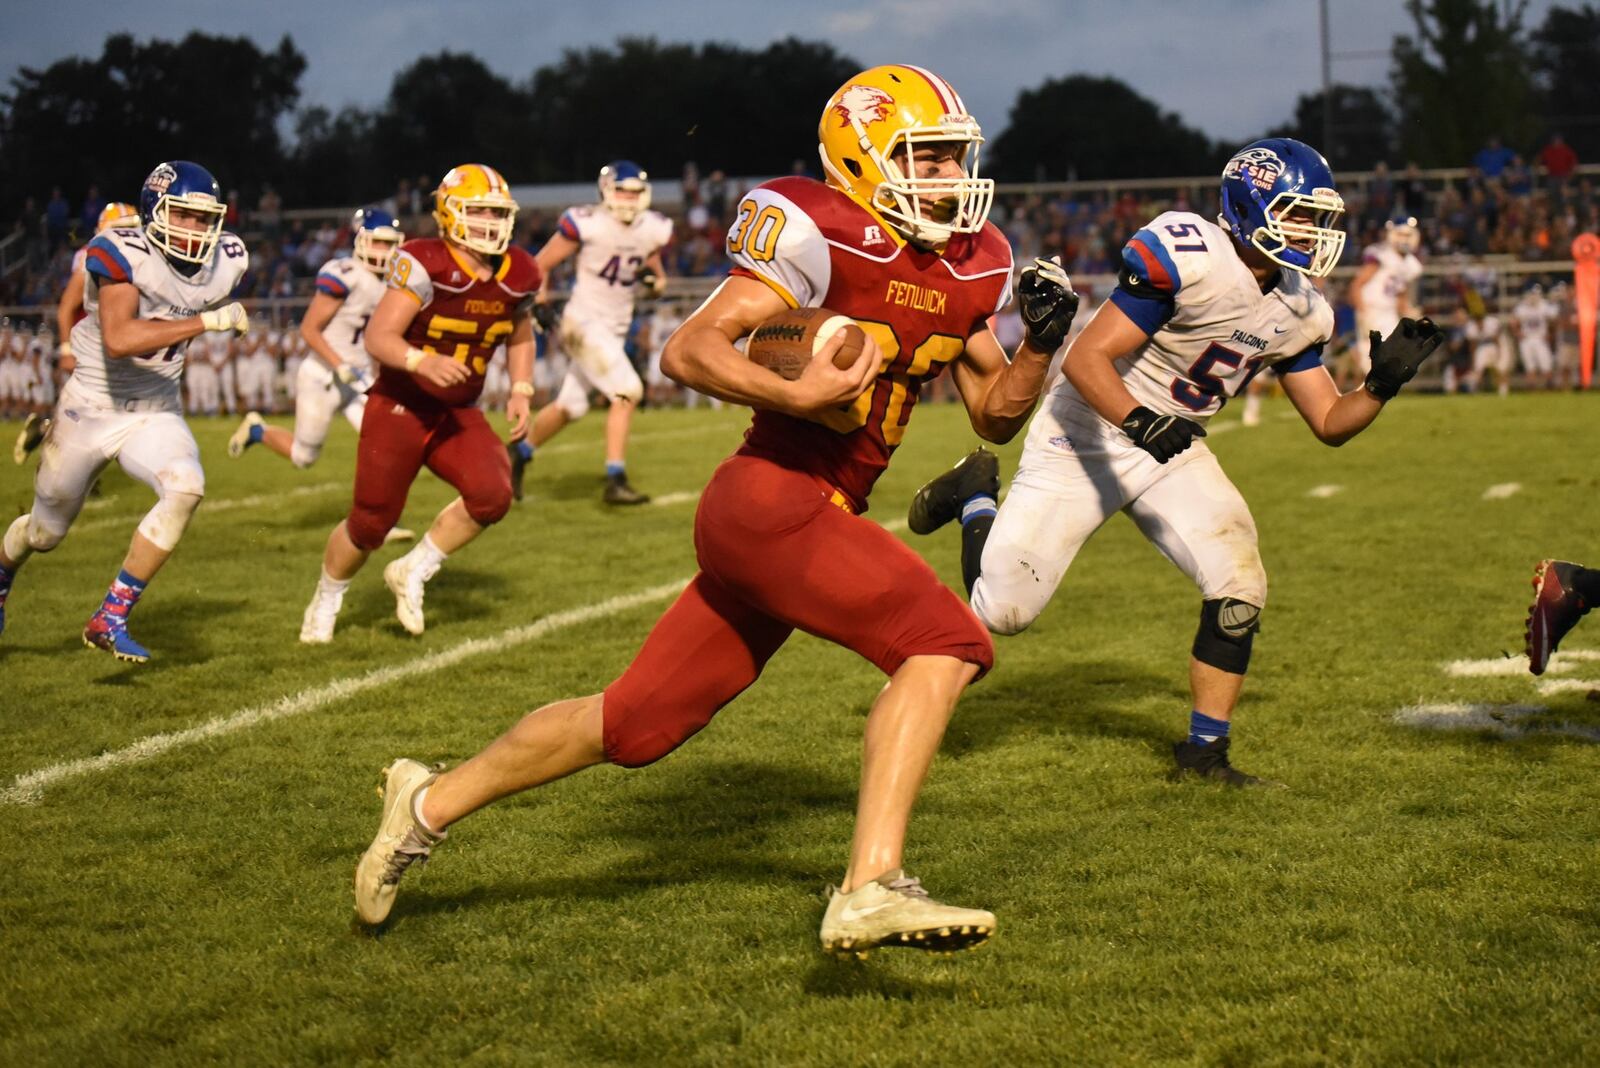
point(474, 209)
point(114, 213)
point(869, 133)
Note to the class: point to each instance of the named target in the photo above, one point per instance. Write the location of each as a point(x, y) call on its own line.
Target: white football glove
point(351, 378)
point(229, 317)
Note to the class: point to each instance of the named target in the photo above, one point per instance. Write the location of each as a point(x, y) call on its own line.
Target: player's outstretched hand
point(1162, 436)
point(1047, 303)
point(822, 385)
point(653, 283)
point(229, 317)
point(545, 316)
point(1395, 358)
point(442, 371)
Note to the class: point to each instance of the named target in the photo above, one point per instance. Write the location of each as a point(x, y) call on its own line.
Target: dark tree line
point(1468, 70)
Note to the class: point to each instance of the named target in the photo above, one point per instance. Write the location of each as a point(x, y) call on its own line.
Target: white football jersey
point(358, 290)
point(214, 348)
point(1483, 332)
point(1211, 328)
point(1533, 315)
point(1380, 297)
point(610, 254)
point(122, 254)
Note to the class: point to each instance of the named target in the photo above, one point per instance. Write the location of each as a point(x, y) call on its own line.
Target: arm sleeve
point(773, 240)
point(1308, 360)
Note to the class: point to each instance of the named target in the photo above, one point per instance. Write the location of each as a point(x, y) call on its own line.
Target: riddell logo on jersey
point(916, 297)
point(486, 307)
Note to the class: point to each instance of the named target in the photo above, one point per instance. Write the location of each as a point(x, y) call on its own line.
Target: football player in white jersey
point(151, 289)
point(1533, 316)
point(1200, 308)
point(1381, 291)
point(335, 381)
point(1489, 349)
point(618, 243)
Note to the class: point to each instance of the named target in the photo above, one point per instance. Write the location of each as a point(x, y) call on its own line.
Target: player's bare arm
point(1000, 394)
point(1091, 358)
point(67, 313)
point(386, 343)
point(519, 359)
point(701, 355)
point(1333, 417)
point(555, 252)
point(318, 315)
point(126, 335)
point(1358, 285)
point(653, 274)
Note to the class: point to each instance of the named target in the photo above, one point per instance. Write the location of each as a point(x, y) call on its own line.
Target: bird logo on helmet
point(377, 235)
point(113, 213)
point(474, 209)
point(1278, 197)
point(190, 236)
point(624, 177)
point(868, 137)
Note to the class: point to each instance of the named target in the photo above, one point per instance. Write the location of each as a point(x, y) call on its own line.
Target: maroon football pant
point(776, 555)
point(456, 444)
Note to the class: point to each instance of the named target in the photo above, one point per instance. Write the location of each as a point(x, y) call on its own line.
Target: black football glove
point(545, 316)
point(1162, 436)
point(1047, 303)
point(1395, 358)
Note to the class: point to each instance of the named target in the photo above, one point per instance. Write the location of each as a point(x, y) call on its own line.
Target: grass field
point(1418, 896)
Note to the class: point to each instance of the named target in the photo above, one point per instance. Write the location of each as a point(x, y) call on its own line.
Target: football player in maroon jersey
point(898, 240)
point(451, 300)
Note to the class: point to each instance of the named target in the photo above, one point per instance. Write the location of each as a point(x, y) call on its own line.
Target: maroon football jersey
point(460, 317)
point(818, 247)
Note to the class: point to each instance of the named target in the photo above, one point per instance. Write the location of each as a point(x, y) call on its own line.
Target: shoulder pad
point(568, 224)
point(107, 257)
point(522, 277)
point(778, 240)
point(1173, 251)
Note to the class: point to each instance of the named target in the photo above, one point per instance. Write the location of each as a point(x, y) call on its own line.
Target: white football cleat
point(241, 437)
point(407, 586)
point(401, 842)
point(894, 910)
point(316, 626)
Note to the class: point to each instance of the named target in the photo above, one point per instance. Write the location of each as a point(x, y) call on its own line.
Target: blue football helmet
point(191, 188)
point(377, 235)
point(1402, 234)
point(1267, 182)
point(629, 177)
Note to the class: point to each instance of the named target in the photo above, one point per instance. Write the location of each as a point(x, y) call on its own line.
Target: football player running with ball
point(618, 244)
point(897, 239)
point(149, 290)
point(336, 380)
point(1199, 309)
point(451, 300)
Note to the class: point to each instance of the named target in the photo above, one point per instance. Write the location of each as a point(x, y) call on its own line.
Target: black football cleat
point(975, 474)
point(1556, 609)
point(1209, 760)
point(28, 439)
point(519, 467)
point(618, 491)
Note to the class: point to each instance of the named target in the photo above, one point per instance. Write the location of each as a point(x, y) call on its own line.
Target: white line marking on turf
point(1504, 720)
point(1560, 664)
point(676, 498)
point(226, 504)
point(1324, 491)
point(1551, 687)
point(28, 789)
point(1501, 490)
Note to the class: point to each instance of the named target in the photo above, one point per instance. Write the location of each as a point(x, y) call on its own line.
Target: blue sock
point(615, 469)
point(123, 595)
point(257, 432)
point(6, 578)
point(978, 506)
point(1203, 729)
point(524, 450)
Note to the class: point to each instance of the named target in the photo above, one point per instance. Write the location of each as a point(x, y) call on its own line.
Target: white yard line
point(1504, 720)
point(226, 504)
point(1324, 491)
point(676, 498)
point(1559, 664)
point(1501, 490)
point(29, 788)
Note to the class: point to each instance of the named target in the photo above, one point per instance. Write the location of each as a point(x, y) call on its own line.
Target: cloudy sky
point(1230, 67)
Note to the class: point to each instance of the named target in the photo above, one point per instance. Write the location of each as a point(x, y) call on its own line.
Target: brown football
point(785, 342)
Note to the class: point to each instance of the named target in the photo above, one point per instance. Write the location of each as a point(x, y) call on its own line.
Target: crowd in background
point(1501, 208)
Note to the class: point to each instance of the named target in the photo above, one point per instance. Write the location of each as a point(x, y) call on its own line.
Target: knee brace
point(1227, 629)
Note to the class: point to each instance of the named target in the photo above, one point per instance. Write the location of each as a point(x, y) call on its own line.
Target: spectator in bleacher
point(57, 213)
point(1492, 158)
point(1558, 159)
point(1413, 192)
point(231, 218)
point(93, 205)
point(269, 212)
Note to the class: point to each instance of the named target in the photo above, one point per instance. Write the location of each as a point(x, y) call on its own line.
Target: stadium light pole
point(1327, 79)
